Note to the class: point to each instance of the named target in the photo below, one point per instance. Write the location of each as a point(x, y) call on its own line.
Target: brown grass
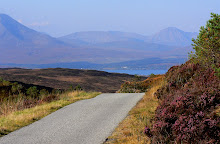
point(130, 131)
point(17, 119)
point(65, 78)
point(218, 111)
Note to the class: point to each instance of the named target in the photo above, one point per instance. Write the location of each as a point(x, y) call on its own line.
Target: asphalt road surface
point(84, 122)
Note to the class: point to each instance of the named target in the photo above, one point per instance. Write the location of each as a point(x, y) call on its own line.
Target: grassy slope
point(130, 131)
point(18, 119)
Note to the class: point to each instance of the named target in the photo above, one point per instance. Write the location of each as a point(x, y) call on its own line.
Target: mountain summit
point(11, 28)
point(173, 36)
point(19, 43)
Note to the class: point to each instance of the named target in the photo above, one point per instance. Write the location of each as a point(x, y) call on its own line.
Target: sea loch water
point(138, 72)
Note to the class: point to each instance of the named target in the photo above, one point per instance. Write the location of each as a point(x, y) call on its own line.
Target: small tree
point(16, 88)
point(207, 44)
point(33, 92)
point(71, 87)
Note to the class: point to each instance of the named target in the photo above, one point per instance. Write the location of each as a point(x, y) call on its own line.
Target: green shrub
point(78, 88)
point(16, 88)
point(33, 92)
point(44, 92)
point(152, 75)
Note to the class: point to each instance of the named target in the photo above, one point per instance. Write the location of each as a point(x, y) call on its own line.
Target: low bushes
point(136, 86)
point(17, 96)
point(188, 104)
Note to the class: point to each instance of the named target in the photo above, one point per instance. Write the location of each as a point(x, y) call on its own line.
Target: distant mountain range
point(169, 36)
point(22, 45)
point(102, 37)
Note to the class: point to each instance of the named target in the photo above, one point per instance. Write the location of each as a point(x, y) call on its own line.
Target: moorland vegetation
point(190, 100)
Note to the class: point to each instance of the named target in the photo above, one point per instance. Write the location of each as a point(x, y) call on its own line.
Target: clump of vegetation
point(76, 88)
point(137, 86)
point(17, 96)
point(152, 75)
point(133, 87)
point(190, 99)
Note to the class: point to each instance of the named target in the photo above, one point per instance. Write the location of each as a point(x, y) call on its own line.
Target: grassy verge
point(130, 131)
point(17, 119)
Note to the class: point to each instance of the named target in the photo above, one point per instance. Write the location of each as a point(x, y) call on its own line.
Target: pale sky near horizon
point(146, 17)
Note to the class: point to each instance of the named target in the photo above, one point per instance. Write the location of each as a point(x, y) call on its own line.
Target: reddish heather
point(187, 110)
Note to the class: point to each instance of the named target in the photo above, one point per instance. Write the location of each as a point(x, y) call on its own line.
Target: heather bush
point(187, 110)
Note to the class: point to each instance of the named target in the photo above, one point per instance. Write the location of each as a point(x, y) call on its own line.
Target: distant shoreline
point(138, 72)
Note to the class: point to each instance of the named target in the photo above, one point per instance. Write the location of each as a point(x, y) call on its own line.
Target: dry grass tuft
point(218, 111)
point(130, 131)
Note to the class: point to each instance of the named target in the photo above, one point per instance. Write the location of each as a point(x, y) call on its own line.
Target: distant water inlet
point(138, 72)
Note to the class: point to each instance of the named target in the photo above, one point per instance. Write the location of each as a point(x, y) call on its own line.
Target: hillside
point(89, 80)
point(20, 44)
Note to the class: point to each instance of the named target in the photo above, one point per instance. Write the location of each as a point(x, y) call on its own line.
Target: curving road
point(85, 122)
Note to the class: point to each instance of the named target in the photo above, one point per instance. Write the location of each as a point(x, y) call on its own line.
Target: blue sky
point(61, 17)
